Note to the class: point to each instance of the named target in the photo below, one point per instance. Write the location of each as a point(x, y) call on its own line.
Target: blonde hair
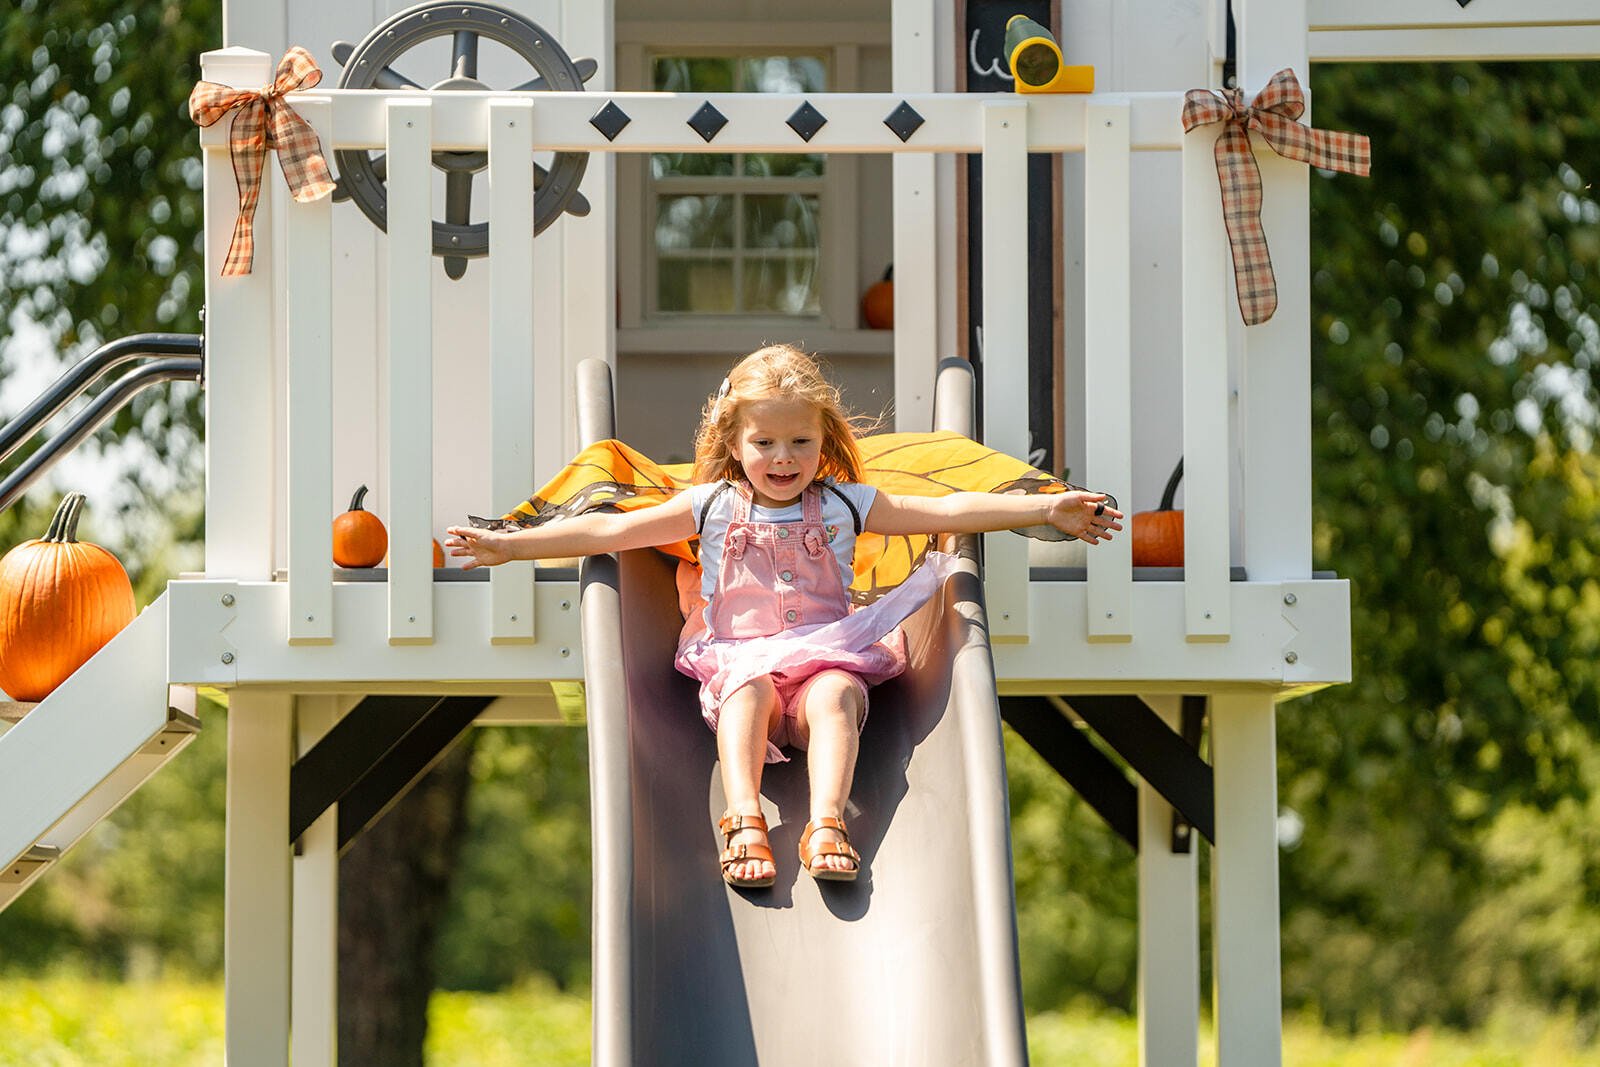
point(774, 371)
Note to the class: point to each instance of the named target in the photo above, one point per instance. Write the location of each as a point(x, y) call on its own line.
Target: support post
point(1247, 994)
point(916, 240)
point(257, 880)
point(1169, 929)
point(240, 321)
point(314, 1002)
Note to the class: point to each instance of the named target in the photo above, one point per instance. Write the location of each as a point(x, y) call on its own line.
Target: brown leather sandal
point(732, 854)
point(828, 848)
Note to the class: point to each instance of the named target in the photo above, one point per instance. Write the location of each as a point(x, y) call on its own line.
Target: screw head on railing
point(566, 605)
point(227, 600)
point(1290, 599)
point(227, 657)
point(566, 651)
point(1291, 657)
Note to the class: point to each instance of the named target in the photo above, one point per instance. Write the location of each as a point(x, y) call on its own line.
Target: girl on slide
point(782, 660)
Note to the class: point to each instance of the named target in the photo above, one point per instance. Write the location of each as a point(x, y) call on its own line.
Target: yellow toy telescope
point(1035, 61)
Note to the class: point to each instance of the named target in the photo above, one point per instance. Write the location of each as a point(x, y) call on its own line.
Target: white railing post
point(240, 320)
point(1005, 345)
point(1108, 357)
point(310, 408)
point(410, 143)
point(511, 399)
point(916, 258)
point(1206, 265)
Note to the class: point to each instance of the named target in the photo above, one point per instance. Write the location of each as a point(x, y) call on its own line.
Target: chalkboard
point(984, 70)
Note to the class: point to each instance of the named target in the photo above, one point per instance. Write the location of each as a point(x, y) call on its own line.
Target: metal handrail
point(88, 420)
point(85, 372)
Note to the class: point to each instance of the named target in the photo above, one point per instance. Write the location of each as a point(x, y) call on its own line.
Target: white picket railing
point(409, 126)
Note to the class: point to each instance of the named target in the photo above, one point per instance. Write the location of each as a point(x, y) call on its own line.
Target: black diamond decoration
point(610, 120)
point(806, 121)
point(904, 121)
point(708, 121)
point(1463, 3)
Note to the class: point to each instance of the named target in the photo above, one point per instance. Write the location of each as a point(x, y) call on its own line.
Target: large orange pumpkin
point(1158, 535)
point(877, 304)
point(61, 600)
point(359, 539)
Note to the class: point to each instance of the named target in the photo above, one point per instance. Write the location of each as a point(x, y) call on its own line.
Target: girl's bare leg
point(747, 718)
point(828, 727)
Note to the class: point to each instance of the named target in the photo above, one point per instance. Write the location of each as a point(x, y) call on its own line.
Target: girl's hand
point(485, 548)
point(1086, 516)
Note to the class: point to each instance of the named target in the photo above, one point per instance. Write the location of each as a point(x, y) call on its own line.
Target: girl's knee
point(839, 693)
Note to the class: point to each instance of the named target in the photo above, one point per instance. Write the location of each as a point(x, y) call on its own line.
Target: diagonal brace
point(404, 765)
point(1101, 783)
point(1155, 751)
point(357, 742)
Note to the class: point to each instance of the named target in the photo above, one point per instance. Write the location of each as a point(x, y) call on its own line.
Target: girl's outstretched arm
point(581, 535)
point(1086, 516)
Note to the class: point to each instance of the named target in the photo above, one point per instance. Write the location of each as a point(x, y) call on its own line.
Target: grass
point(72, 1022)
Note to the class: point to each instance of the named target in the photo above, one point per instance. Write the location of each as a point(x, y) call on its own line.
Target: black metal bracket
point(1074, 757)
point(1230, 59)
point(1156, 752)
point(372, 757)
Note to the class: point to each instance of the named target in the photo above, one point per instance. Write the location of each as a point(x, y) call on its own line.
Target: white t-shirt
point(834, 513)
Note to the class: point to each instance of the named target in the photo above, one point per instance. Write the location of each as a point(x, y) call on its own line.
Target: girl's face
point(779, 445)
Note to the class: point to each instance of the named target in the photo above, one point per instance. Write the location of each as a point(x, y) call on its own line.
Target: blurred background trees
point(1441, 830)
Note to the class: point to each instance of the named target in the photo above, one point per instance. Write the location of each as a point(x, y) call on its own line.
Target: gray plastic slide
point(914, 963)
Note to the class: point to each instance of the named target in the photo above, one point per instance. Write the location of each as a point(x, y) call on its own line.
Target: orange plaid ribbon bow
point(1273, 114)
point(265, 121)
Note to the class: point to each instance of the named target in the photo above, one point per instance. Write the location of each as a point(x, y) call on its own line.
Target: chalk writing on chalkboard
point(985, 31)
point(994, 69)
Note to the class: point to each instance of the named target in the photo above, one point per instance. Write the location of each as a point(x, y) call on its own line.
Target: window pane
point(786, 285)
point(693, 74)
point(784, 165)
point(786, 221)
point(694, 222)
point(699, 285)
point(783, 74)
point(691, 165)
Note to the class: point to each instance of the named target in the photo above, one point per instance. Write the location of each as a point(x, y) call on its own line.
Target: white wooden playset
point(453, 366)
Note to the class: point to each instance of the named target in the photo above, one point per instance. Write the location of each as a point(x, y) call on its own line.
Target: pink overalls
point(780, 608)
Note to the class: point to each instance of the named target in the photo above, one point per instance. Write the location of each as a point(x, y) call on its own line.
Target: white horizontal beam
point(953, 122)
point(1267, 634)
point(1437, 14)
point(1444, 44)
point(241, 642)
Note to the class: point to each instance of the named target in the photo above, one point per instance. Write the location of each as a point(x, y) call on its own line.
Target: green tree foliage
point(1455, 325)
point(100, 219)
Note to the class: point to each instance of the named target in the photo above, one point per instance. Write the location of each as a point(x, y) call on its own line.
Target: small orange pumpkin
point(1158, 535)
point(359, 539)
point(438, 553)
point(61, 600)
point(877, 304)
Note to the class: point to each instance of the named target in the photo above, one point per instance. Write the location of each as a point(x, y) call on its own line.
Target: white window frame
point(838, 45)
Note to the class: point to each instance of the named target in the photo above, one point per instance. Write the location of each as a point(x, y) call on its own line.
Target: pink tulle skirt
point(867, 643)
